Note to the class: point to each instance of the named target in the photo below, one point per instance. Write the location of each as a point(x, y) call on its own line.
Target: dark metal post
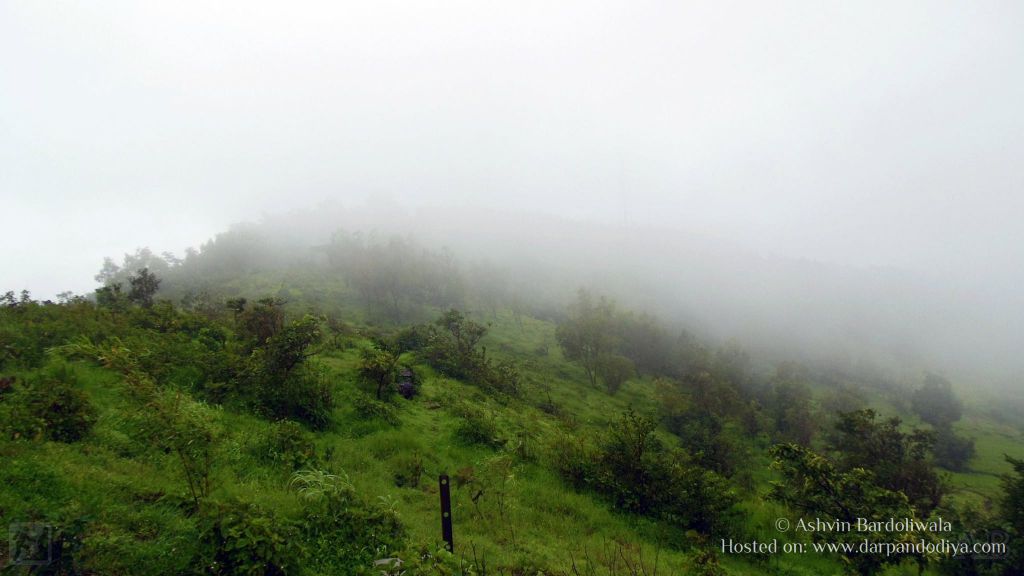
point(446, 513)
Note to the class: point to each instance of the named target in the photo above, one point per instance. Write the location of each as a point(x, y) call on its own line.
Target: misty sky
point(863, 133)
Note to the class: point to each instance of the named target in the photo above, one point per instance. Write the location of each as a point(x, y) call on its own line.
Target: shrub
point(408, 470)
point(637, 473)
point(952, 452)
point(503, 377)
point(342, 530)
point(412, 338)
point(377, 368)
point(454, 350)
point(303, 395)
point(242, 538)
point(51, 406)
point(288, 444)
point(573, 459)
point(369, 408)
point(478, 427)
point(615, 370)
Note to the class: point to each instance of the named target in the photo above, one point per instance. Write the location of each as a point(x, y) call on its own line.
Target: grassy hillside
point(184, 452)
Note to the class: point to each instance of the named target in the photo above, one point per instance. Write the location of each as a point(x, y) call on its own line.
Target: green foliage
point(261, 322)
point(286, 443)
point(586, 336)
point(790, 406)
point(144, 285)
point(952, 452)
point(378, 367)
point(478, 427)
point(50, 405)
point(280, 381)
point(936, 403)
point(816, 486)
point(454, 350)
point(900, 461)
point(165, 478)
point(695, 411)
point(343, 531)
point(396, 278)
point(1012, 515)
point(615, 370)
point(408, 470)
point(246, 539)
point(369, 408)
point(632, 468)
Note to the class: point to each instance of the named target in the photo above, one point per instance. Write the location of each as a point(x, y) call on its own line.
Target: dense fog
point(836, 182)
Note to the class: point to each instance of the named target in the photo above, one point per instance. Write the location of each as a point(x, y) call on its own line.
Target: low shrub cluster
point(453, 349)
point(49, 406)
point(477, 427)
point(369, 408)
point(632, 468)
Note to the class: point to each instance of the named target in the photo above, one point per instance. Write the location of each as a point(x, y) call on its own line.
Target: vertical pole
point(446, 513)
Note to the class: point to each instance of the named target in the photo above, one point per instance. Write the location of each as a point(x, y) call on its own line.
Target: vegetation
point(218, 417)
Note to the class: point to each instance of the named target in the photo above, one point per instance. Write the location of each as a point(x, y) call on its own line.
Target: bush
point(242, 538)
point(343, 531)
point(952, 452)
point(369, 408)
point(408, 470)
point(303, 395)
point(51, 406)
point(637, 473)
point(378, 368)
point(478, 427)
point(573, 460)
point(454, 350)
point(615, 370)
point(503, 377)
point(288, 444)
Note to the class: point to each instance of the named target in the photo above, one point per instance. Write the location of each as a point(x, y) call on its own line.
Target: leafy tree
point(1012, 516)
point(290, 346)
point(634, 469)
point(51, 406)
point(260, 322)
point(144, 285)
point(936, 403)
point(900, 461)
point(112, 297)
point(951, 451)
point(586, 336)
point(814, 485)
point(285, 387)
point(645, 342)
point(453, 349)
point(790, 405)
point(615, 370)
point(378, 366)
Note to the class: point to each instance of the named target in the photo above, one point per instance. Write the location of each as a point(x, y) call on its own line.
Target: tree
point(261, 322)
point(951, 451)
point(615, 370)
point(936, 403)
point(790, 405)
point(815, 485)
point(1012, 515)
point(378, 366)
point(586, 335)
point(144, 285)
point(899, 460)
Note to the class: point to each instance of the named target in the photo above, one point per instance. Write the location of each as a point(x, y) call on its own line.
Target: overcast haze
point(863, 134)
